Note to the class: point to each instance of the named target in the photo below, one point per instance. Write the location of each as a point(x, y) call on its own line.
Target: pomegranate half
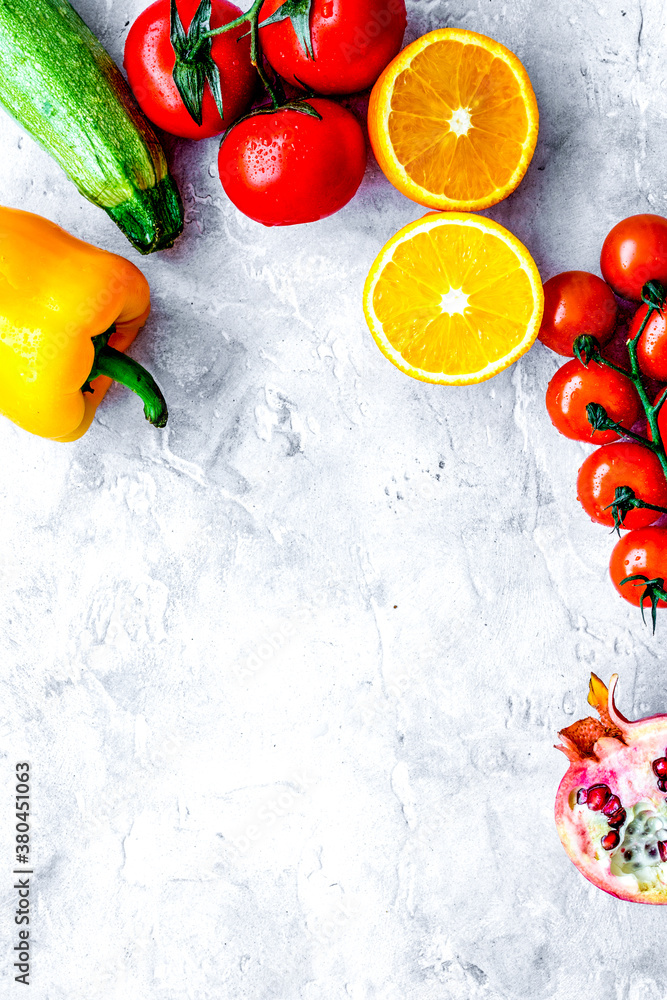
point(611, 806)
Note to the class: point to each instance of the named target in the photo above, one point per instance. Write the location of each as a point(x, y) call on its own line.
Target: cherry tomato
point(624, 463)
point(573, 386)
point(634, 252)
point(352, 41)
point(287, 167)
point(652, 345)
point(149, 61)
point(576, 302)
point(643, 552)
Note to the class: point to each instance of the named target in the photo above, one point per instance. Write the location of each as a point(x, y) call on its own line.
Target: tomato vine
point(587, 349)
point(194, 66)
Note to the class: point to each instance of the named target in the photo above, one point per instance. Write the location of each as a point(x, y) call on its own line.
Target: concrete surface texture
point(289, 673)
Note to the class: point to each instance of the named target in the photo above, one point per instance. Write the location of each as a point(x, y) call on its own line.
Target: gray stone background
point(290, 672)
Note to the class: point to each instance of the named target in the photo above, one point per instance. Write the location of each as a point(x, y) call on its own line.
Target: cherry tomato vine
point(194, 65)
point(587, 349)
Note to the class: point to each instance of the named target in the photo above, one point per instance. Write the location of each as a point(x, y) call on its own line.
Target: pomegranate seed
point(611, 840)
point(662, 784)
point(662, 847)
point(660, 767)
point(582, 795)
point(597, 797)
point(612, 804)
point(618, 819)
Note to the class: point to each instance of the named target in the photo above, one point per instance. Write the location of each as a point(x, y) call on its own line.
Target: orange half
point(453, 299)
point(453, 121)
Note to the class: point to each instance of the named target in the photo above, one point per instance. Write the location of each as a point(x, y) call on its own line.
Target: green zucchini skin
point(63, 87)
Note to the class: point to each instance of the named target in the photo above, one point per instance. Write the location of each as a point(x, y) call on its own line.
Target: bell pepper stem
point(119, 367)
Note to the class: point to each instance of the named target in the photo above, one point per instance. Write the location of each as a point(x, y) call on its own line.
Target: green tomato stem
point(612, 425)
point(256, 53)
point(236, 23)
point(616, 368)
point(654, 591)
point(251, 17)
point(625, 500)
point(650, 410)
point(657, 406)
point(649, 506)
point(655, 443)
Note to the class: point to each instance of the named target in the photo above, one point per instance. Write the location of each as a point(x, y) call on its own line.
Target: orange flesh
point(408, 299)
point(443, 79)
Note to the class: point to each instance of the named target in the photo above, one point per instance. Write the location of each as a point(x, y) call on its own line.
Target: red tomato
point(625, 463)
point(149, 61)
point(353, 41)
point(576, 302)
point(642, 552)
point(634, 252)
point(573, 386)
point(652, 345)
point(287, 167)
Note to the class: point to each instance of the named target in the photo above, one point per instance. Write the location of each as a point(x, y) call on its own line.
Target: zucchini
point(62, 86)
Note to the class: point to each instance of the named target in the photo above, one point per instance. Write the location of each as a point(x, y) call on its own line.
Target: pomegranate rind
point(623, 762)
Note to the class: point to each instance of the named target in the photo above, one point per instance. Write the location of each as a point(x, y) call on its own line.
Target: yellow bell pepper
point(68, 311)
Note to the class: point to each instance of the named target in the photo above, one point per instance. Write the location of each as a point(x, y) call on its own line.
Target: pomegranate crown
point(579, 740)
